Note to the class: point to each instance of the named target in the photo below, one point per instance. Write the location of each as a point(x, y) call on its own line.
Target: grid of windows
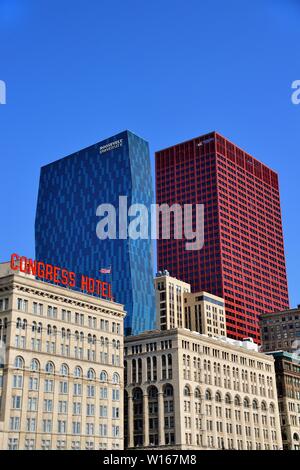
point(243, 255)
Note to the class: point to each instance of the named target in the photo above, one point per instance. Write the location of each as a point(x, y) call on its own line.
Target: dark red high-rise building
point(242, 258)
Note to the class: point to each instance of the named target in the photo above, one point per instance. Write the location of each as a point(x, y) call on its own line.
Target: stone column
point(224, 421)
point(251, 424)
point(203, 422)
point(193, 417)
point(214, 422)
point(130, 421)
point(243, 424)
point(161, 419)
point(145, 420)
point(234, 423)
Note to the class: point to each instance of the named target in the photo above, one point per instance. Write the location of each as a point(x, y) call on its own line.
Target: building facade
point(66, 228)
point(178, 307)
point(242, 259)
point(281, 330)
point(205, 313)
point(169, 295)
point(186, 391)
point(287, 368)
point(61, 372)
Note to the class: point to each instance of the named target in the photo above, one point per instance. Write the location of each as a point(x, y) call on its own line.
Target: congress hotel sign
point(60, 276)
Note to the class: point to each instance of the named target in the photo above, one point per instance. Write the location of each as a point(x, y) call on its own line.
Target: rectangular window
point(48, 406)
point(31, 424)
point(33, 383)
point(17, 381)
point(76, 426)
point(62, 407)
point(62, 427)
point(32, 404)
point(91, 390)
point(103, 430)
point(47, 425)
point(63, 387)
point(49, 385)
point(16, 402)
point(77, 389)
point(103, 411)
point(22, 305)
point(76, 408)
point(14, 424)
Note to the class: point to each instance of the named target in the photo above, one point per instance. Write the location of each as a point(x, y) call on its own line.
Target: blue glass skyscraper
point(70, 191)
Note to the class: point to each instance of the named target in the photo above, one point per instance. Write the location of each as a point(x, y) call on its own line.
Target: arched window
point(116, 378)
point(103, 376)
point(77, 335)
point(34, 365)
point(49, 368)
point(90, 339)
point(272, 408)
point(208, 395)
point(19, 323)
point(237, 401)
point(263, 406)
point(140, 370)
point(168, 390)
point(152, 393)
point(91, 374)
point(49, 330)
point(227, 399)
point(255, 405)
point(218, 397)
point(64, 370)
point(296, 437)
point(19, 362)
point(246, 403)
point(133, 370)
point(186, 391)
point(197, 393)
point(34, 326)
point(78, 371)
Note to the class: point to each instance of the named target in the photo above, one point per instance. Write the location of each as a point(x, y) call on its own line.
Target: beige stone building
point(287, 367)
point(185, 390)
point(178, 307)
point(169, 296)
point(205, 313)
point(61, 377)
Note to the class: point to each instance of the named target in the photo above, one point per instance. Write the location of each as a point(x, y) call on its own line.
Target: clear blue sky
point(169, 70)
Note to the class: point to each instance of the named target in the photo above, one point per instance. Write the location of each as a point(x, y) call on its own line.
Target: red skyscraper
point(242, 258)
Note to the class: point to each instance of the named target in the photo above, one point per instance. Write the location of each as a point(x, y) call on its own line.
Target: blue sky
point(169, 70)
